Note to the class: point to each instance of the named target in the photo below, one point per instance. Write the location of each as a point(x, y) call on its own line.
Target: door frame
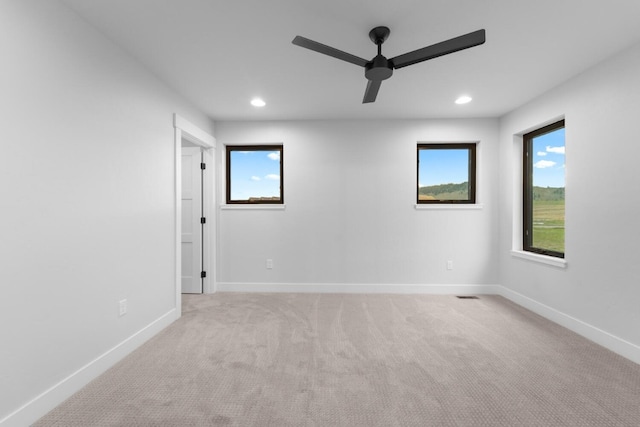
point(183, 129)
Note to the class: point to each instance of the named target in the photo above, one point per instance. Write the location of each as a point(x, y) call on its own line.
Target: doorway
point(188, 134)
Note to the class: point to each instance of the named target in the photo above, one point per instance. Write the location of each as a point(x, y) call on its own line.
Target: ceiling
point(221, 53)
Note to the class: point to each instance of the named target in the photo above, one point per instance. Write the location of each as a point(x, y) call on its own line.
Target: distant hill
point(460, 191)
point(445, 191)
point(548, 193)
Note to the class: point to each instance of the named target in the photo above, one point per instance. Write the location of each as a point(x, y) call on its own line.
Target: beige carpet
point(359, 360)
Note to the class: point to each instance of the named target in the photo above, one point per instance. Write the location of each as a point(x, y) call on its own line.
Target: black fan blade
point(439, 49)
point(372, 91)
point(328, 50)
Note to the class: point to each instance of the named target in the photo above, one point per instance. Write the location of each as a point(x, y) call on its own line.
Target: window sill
point(253, 207)
point(448, 206)
point(542, 259)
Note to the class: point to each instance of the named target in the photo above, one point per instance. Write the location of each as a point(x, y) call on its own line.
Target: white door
point(191, 214)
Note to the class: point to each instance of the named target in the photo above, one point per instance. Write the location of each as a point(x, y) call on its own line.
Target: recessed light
point(257, 102)
point(464, 99)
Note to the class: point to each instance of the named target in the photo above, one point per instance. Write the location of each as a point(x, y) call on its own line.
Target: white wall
point(601, 285)
point(86, 201)
point(350, 216)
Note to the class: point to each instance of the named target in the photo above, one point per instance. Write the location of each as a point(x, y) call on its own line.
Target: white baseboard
point(35, 409)
point(603, 338)
point(357, 288)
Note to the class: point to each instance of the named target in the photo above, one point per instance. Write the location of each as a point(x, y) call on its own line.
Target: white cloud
point(273, 177)
point(542, 153)
point(255, 178)
point(274, 156)
point(557, 150)
point(542, 164)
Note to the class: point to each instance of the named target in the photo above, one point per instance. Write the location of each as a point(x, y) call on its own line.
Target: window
point(543, 190)
point(446, 173)
point(255, 174)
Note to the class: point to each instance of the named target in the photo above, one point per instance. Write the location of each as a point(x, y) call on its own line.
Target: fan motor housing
point(380, 68)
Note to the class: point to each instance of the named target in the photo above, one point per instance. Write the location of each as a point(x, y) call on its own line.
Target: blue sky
point(548, 159)
point(255, 174)
point(443, 167)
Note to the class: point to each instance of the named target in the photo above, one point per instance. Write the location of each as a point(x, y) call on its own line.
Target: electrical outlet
point(122, 307)
point(449, 265)
point(269, 264)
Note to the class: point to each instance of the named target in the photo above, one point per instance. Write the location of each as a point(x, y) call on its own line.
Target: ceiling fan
point(381, 68)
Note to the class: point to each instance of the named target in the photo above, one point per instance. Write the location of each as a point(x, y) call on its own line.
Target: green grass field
point(548, 224)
